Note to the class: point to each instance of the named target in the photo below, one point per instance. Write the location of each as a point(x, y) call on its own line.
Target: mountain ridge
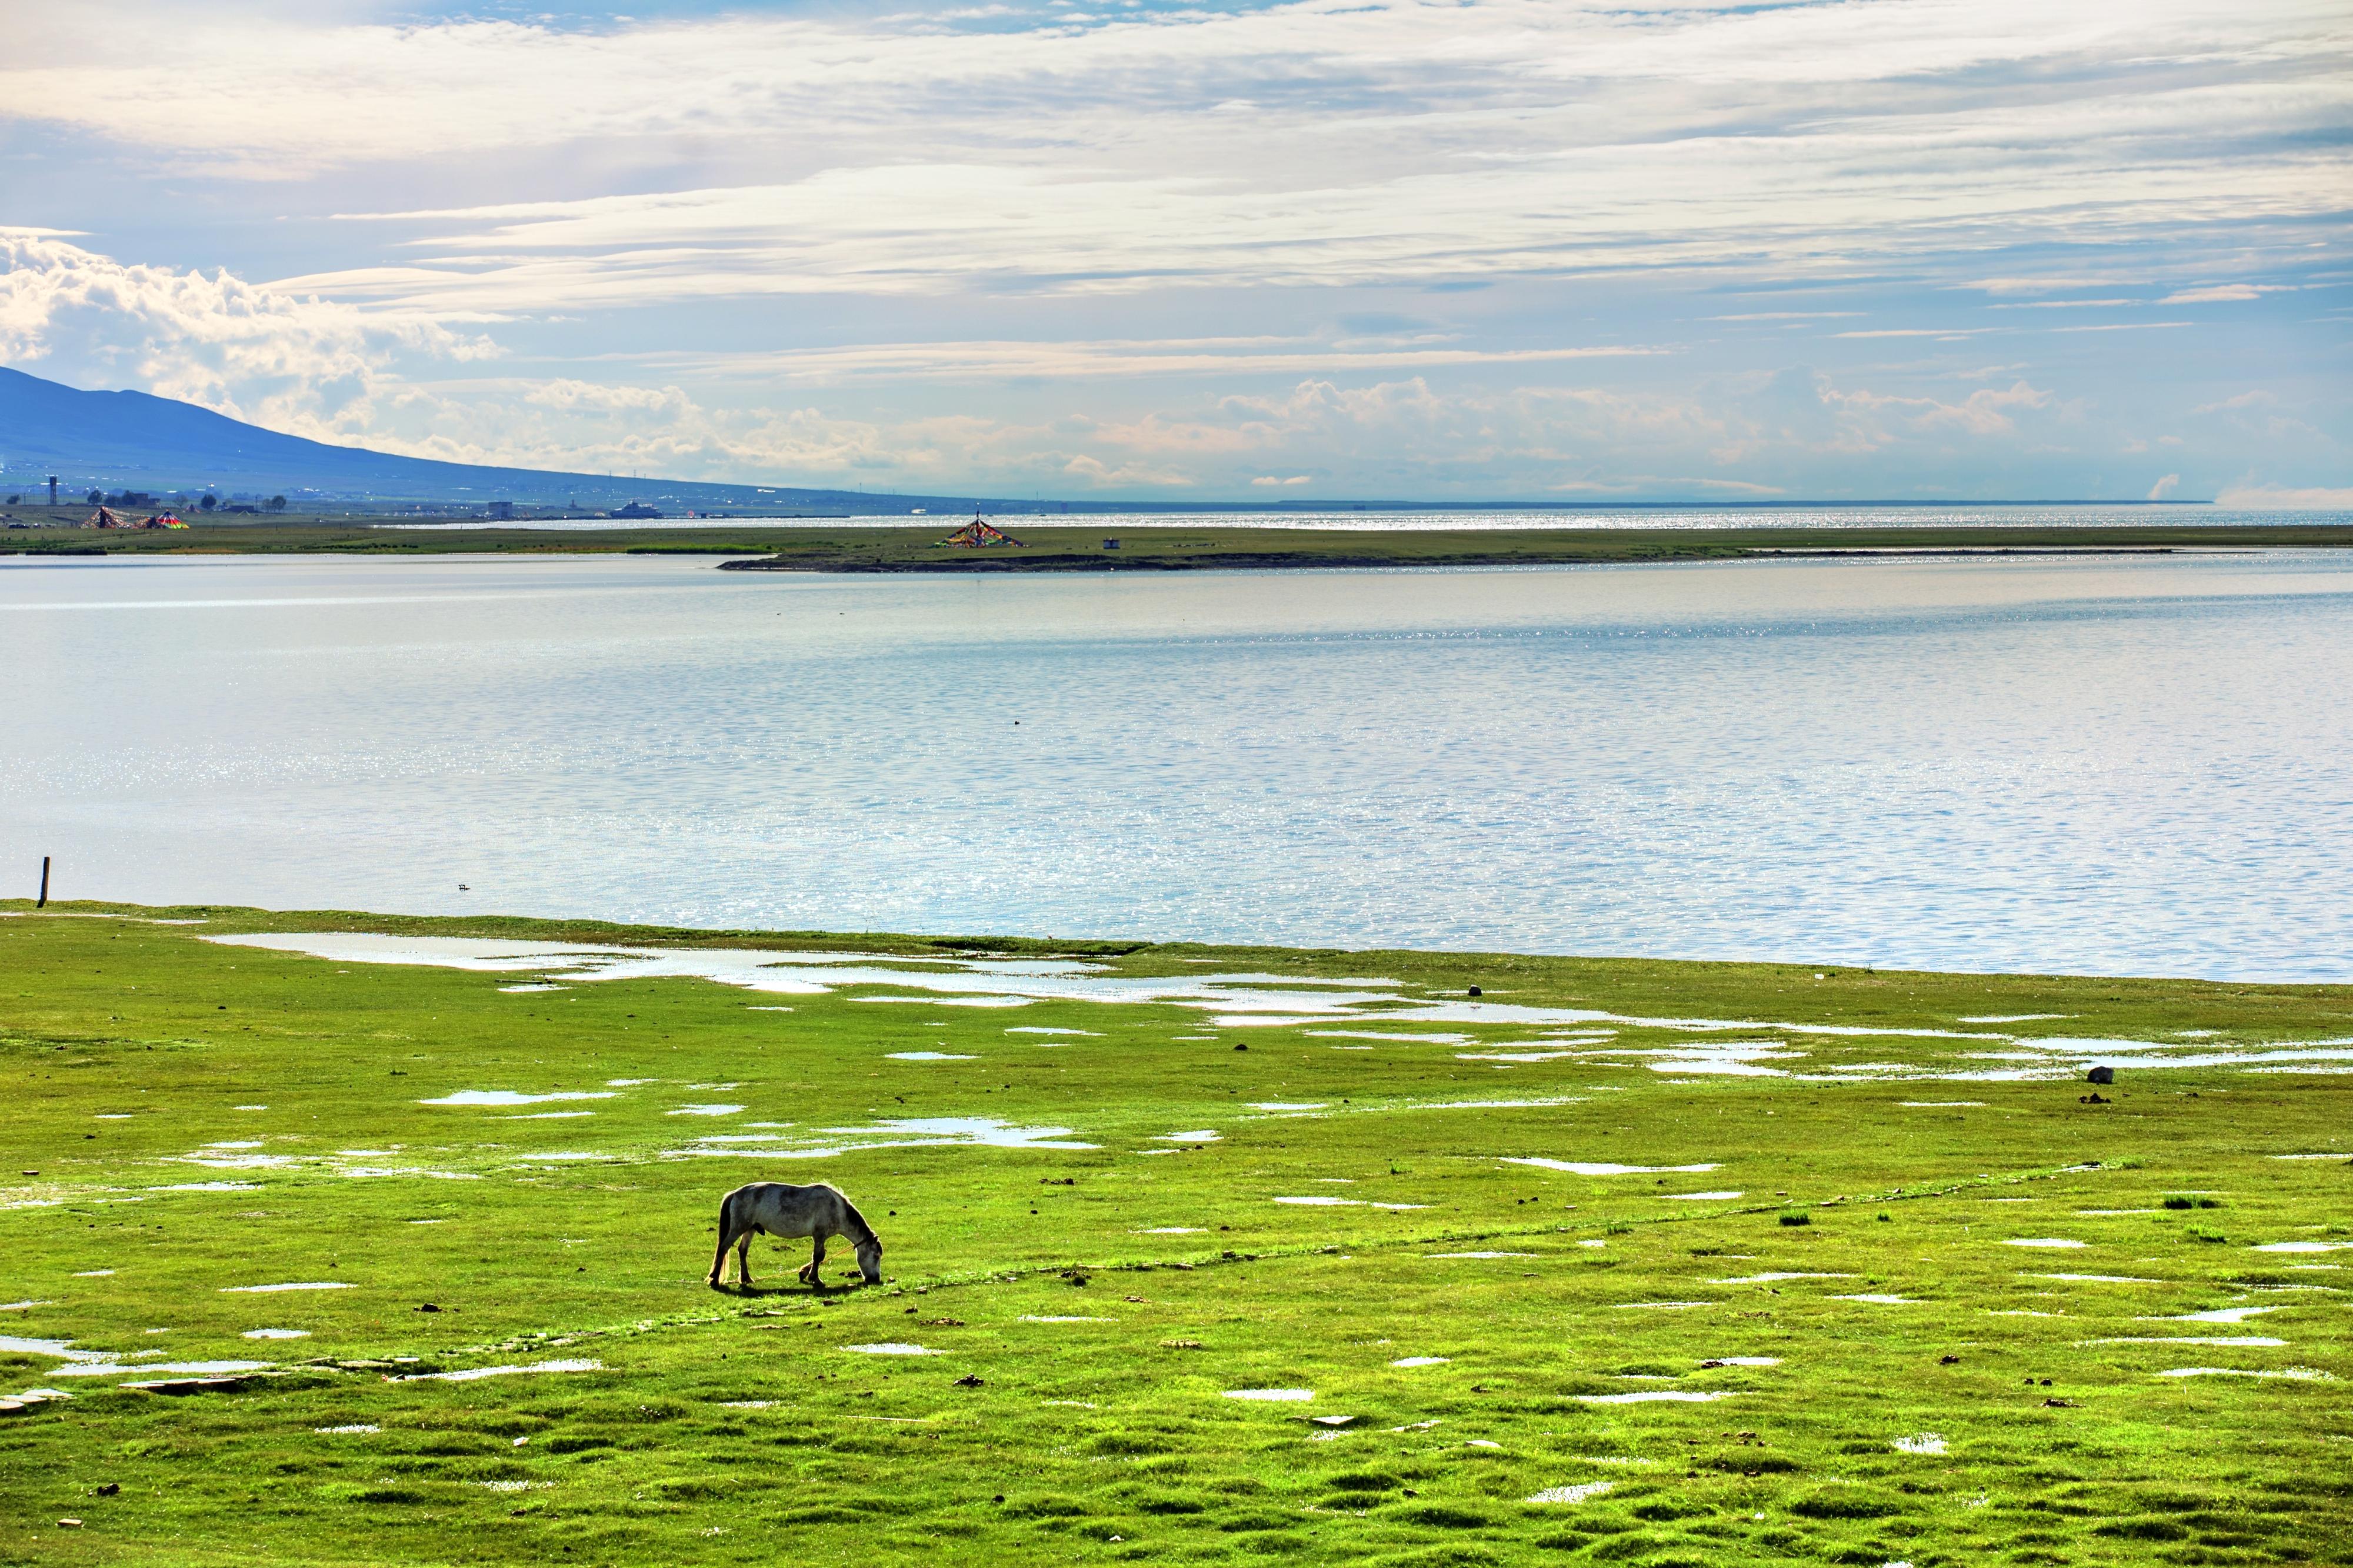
point(109, 440)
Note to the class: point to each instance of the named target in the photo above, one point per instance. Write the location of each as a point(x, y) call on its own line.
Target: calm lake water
point(2120, 765)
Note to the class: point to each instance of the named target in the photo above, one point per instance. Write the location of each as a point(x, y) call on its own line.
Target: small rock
point(68, 1524)
point(1476, 992)
point(112, 1489)
point(1949, 1360)
point(2101, 1075)
point(2060, 1404)
point(971, 1380)
point(428, 1307)
point(37, 1172)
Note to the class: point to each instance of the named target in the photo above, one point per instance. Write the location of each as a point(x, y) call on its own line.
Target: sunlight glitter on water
point(2107, 701)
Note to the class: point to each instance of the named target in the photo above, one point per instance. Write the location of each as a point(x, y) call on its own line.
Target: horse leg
point(743, 1259)
point(814, 1272)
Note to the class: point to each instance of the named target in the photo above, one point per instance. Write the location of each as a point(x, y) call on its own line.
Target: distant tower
point(53, 490)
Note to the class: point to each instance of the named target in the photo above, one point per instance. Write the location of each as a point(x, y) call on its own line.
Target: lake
point(2105, 764)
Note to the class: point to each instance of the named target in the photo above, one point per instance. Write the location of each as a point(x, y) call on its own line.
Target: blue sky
point(1494, 249)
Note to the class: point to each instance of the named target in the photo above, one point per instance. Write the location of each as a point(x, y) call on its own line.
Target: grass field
point(835, 547)
point(1605, 1264)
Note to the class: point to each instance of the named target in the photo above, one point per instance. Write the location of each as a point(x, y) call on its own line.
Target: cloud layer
point(1533, 246)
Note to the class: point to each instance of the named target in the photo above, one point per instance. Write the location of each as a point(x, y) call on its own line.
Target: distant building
point(501, 510)
point(634, 508)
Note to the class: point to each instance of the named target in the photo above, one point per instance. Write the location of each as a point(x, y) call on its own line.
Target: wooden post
point(45, 884)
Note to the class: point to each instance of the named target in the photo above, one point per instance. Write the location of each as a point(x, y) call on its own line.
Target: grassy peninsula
point(832, 546)
point(1614, 1262)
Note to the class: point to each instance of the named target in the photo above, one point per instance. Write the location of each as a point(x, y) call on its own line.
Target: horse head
point(870, 1258)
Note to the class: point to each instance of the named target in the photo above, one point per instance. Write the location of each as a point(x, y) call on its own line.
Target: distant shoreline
point(822, 547)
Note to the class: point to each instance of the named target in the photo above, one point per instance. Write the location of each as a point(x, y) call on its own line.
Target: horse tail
point(726, 1234)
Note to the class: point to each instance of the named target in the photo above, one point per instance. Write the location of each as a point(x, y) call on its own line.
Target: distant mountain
point(107, 440)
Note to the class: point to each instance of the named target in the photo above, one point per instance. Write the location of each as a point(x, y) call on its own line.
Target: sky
point(1472, 251)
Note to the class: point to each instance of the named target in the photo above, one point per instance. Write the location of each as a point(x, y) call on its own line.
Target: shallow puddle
point(1232, 999)
point(2239, 1341)
point(913, 1133)
point(507, 1097)
point(1479, 1255)
point(176, 1368)
point(1662, 1306)
point(472, 1373)
point(1576, 1494)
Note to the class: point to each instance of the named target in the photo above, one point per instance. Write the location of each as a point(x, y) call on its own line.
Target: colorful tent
point(979, 534)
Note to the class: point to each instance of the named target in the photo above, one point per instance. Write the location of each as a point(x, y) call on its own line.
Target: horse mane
point(859, 1219)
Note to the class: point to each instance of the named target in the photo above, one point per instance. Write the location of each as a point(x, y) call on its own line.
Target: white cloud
point(1386, 437)
point(983, 359)
point(1378, 140)
point(2165, 487)
point(2222, 293)
point(2287, 498)
point(300, 364)
point(2255, 398)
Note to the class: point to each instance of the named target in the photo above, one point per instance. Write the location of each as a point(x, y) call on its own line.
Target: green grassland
point(197, 1117)
point(837, 547)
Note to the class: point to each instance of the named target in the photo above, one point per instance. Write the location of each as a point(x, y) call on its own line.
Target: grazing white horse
point(779, 1208)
